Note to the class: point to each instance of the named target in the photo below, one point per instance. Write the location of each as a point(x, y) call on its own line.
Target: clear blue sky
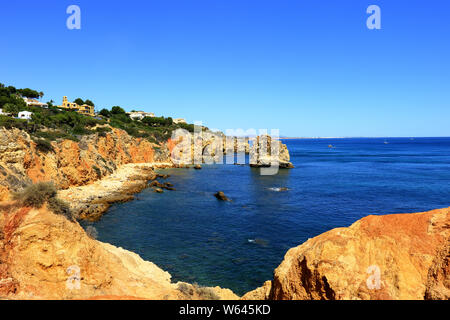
point(309, 68)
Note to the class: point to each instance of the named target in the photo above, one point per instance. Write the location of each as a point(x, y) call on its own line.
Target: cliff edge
point(398, 256)
point(46, 256)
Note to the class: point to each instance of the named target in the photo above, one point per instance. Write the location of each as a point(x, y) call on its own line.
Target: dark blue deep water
point(197, 238)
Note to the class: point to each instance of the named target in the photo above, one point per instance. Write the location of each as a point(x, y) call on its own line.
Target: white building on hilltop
point(179, 120)
point(139, 115)
point(26, 115)
point(34, 103)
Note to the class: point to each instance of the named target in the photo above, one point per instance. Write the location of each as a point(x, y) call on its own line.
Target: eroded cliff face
point(42, 255)
point(399, 256)
point(72, 163)
point(266, 151)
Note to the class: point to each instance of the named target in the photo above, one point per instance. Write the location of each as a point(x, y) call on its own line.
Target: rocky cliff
point(69, 163)
point(266, 152)
point(46, 256)
point(399, 256)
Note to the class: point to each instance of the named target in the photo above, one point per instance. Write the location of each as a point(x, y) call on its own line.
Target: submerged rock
point(259, 241)
point(158, 185)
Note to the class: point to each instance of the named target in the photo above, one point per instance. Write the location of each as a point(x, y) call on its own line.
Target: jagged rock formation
point(209, 147)
point(71, 163)
point(43, 255)
point(266, 152)
point(399, 256)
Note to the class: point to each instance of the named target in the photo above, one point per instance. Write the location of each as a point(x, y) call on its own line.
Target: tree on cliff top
point(29, 93)
point(117, 110)
point(105, 112)
point(89, 103)
point(11, 108)
point(79, 101)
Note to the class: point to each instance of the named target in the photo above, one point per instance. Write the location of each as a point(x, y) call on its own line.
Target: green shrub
point(117, 110)
point(206, 293)
point(103, 129)
point(54, 135)
point(11, 108)
point(188, 127)
point(36, 195)
point(44, 145)
point(91, 232)
point(195, 291)
point(105, 113)
point(58, 206)
point(80, 130)
point(10, 123)
point(97, 171)
point(186, 289)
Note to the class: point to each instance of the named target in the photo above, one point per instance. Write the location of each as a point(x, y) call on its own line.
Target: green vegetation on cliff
point(36, 195)
point(52, 123)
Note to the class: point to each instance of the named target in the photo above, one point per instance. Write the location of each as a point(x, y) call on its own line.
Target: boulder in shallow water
point(158, 190)
point(156, 184)
point(221, 196)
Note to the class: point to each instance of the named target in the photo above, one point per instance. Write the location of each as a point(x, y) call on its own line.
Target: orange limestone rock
point(398, 256)
point(45, 256)
point(69, 163)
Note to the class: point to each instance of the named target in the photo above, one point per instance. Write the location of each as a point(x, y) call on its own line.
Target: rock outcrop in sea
point(398, 256)
point(266, 151)
point(221, 196)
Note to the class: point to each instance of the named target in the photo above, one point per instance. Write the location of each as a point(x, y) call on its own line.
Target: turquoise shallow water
point(238, 244)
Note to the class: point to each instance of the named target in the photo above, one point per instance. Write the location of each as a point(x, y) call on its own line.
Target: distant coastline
point(298, 138)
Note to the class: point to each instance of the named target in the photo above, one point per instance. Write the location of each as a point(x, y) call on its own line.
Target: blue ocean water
point(238, 244)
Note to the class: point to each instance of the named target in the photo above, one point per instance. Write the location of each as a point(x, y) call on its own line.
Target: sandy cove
point(92, 200)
